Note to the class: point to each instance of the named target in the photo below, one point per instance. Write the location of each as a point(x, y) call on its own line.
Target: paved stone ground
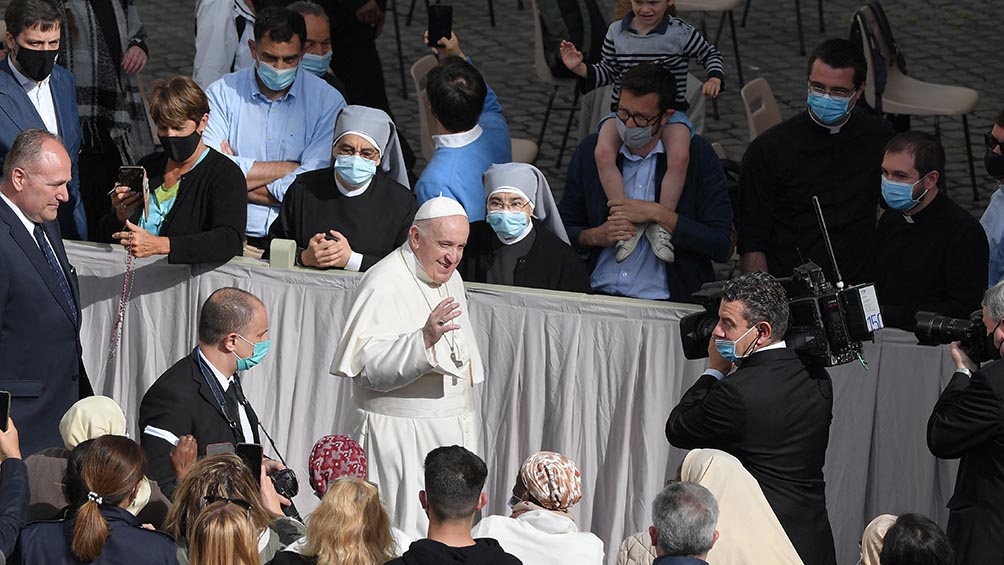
point(953, 45)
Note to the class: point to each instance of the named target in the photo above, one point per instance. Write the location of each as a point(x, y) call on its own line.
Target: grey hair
point(685, 516)
point(27, 149)
point(308, 8)
point(763, 299)
point(228, 310)
point(993, 299)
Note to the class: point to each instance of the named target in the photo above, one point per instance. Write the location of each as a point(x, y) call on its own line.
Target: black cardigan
point(550, 264)
point(207, 222)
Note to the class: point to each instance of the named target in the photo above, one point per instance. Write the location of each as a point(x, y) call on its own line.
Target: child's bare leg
point(607, 145)
point(676, 138)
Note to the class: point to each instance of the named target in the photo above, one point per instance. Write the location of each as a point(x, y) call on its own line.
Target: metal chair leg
point(568, 128)
point(491, 12)
point(400, 54)
point(798, 21)
point(969, 153)
point(822, 23)
point(519, 5)
point(735, 45)
point(746, 12)
point(547, 116)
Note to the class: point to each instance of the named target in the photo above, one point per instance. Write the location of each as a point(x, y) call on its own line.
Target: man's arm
point(710, 414)
point(164, 408)
point(755, 216)
point(966, 416)
point(14, 495)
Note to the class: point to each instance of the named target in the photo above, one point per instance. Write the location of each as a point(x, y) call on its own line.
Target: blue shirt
point(459, 160)
point(642, 274)
point(299, 126)
point(993, 224)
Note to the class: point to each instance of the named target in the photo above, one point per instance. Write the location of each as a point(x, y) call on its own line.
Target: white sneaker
point(662, 242)
point(626, 248)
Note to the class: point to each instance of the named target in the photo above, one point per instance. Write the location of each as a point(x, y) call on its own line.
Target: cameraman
point(967, 424)
point(759, 402)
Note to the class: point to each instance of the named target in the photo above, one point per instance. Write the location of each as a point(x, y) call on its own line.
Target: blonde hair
point(223, 535)
point(175, 100)
point(225, 476)
point(350, 527)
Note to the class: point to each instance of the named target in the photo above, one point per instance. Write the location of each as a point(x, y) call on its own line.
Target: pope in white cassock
point(410, 351)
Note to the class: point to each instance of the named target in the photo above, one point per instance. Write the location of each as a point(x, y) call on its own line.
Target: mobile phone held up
point(4, 409)
point(440, 23)
point(251, 454)
point(132, 177)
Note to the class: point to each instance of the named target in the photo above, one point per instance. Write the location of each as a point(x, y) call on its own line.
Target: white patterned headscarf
point(552, 479)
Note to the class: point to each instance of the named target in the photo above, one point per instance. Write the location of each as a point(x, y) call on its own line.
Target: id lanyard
point(218, 394)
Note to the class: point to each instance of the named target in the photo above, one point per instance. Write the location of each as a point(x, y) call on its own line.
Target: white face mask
point(637, 137)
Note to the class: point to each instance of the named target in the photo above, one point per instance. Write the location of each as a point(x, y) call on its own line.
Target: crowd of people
point(284, 132)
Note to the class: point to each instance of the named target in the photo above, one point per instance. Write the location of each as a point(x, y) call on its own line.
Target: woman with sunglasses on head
point(223, 535)
point(102, 531)
point(225, 477)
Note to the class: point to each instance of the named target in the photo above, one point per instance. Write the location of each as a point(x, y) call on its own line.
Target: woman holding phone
point(196, 210)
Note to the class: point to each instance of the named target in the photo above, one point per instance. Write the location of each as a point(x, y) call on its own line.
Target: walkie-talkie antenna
point(826, 240)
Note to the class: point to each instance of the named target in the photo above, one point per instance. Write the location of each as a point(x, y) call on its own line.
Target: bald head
point(36, 173)
point(228, 310)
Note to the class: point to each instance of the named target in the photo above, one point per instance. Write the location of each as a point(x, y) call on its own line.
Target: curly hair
point(763, 299)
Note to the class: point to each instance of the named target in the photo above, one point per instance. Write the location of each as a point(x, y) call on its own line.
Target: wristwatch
point(965, 371)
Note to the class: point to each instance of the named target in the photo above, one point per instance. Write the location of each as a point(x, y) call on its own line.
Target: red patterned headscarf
point(333, 457)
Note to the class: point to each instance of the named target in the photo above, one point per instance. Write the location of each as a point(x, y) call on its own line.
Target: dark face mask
point(36, 65)
point(179, 149)
point(994, 163)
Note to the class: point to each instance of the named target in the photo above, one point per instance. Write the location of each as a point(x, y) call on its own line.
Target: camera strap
point(219, 395)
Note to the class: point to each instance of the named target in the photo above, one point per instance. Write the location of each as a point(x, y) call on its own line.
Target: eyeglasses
point(366, 153)
point(638, 119)
point(992, 142)
point(841, 93)
point(247, 506)
point(516, 205)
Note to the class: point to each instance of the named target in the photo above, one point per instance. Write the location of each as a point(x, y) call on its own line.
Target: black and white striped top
point(670, 45)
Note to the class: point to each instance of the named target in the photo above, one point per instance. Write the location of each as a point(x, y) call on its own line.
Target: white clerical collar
point(25, 82)
point(352, 192)
point(518, 238)
point(834, 129)
point(458, 139)
point(28, 224)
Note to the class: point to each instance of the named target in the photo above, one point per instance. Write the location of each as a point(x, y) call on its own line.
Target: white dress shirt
point(40, 95)
point(225, 384)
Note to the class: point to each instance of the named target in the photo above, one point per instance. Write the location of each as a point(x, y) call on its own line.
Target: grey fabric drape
point(593, 378)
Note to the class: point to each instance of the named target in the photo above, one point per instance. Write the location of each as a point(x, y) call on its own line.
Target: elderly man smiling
point(410, 350)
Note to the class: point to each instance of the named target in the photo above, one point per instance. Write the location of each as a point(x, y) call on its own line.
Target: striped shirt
point(669, 45)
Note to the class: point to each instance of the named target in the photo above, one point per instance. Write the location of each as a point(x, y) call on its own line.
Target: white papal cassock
point(412, 399)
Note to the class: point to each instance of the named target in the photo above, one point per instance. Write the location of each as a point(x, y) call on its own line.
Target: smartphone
point(330, 237)
point(218, 448)
point(132, 177)
point(440, 23)
point(252, 454)
point(4, 409)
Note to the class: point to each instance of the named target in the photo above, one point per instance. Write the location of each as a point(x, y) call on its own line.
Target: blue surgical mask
point(355, 170)
point(507, 223)
point(259, 352)
point(275, 79)
point(899, 195)
point(828, 109)
point(316, 64)
point(727, 348)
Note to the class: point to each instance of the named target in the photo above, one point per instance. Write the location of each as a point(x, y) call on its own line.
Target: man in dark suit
point(37, 93)
point(40, 361)
point(967, 423)
point(772, 413)
point(201, 394)
point(701, 226)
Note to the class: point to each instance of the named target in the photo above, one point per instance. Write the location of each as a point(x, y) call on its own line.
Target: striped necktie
point(50, 256)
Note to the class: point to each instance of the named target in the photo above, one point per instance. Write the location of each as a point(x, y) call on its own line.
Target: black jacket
point(182, 402)
point(207, 221)
point(49, 542)
point(773, 414)
point(968, 423)
point(550, 264)
point(13, 502)
point(485, 551)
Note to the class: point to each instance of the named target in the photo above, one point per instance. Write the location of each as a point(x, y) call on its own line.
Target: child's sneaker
point(662, 242)
point(626, 248)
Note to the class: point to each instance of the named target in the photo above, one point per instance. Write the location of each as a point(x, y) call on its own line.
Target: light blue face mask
point(899, 195)
point(507, 223)
point(275, 79)
point(316, 64)
point(828, 109)
point(259, 352)
point(727, 348)
point(355, 170)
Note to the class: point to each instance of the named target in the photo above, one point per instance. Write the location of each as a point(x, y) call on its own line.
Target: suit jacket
point(182, 402)
point(18, 114)
point(13, 502)
point(773, 414)
point(968, 423)
point(40, 352)
point(703, 232)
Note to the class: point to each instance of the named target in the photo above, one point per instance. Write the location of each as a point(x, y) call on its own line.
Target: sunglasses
point(992, 142)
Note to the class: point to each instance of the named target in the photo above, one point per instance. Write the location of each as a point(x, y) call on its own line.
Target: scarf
point(109, 101)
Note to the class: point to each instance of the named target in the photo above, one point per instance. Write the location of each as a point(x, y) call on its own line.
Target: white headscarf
point(376, 127)
point(529, 182)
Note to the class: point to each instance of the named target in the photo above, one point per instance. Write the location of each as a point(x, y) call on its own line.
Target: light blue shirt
point(642, 274)
point(299, 126)
point(993, 224)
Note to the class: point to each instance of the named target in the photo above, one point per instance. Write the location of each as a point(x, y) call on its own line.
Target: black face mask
point(994, 163)
point(179, 149)
point(36, 65)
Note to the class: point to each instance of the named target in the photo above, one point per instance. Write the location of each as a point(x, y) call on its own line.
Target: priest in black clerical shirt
point(522, 241)
point(350, 215)
point(931, 255)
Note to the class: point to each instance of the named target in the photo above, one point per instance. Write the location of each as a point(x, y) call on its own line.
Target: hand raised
point(440, 321)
